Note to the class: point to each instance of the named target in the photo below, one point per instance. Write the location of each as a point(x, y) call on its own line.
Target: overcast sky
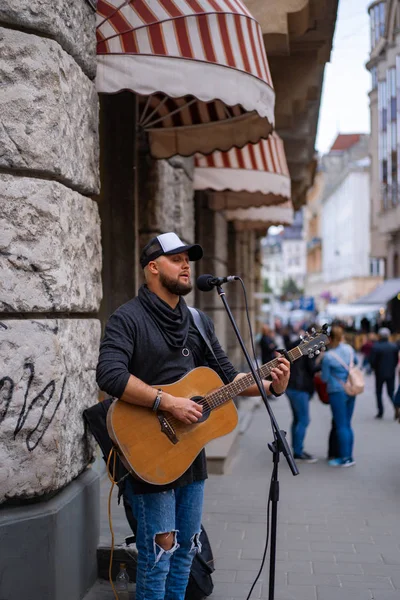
point(345, 103)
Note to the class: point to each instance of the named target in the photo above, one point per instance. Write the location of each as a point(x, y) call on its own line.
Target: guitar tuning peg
point(302, 338)
point(317, 352)
point(313, 330)
point(311, 355)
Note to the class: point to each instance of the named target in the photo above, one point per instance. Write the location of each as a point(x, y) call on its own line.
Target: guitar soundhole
point(206, 413)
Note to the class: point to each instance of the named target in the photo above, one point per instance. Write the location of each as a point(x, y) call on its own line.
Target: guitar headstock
point(314, 342)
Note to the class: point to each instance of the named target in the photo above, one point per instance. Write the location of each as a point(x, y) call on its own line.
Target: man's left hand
point(280, 375)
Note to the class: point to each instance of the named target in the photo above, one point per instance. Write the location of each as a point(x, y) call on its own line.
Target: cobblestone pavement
point(338, 529)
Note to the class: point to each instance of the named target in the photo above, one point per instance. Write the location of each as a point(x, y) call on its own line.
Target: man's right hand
point(183, 409)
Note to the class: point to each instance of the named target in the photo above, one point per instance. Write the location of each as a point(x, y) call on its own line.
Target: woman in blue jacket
point(335, 375)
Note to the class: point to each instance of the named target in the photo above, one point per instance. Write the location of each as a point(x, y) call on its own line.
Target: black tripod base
point(278, 446)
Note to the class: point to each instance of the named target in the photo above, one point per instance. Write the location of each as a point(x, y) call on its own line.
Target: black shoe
point(379, 416)
point(397, 413)
point(305, 457)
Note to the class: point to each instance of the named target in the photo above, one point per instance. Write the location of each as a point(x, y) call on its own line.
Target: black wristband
point(272, 392)
point(157, 401)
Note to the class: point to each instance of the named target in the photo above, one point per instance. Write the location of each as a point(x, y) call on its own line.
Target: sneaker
point(335, 462)
point(379, 416)
point(348, 462)
point(305, 457)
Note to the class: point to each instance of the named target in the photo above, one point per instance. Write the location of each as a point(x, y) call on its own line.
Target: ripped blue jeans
point(164, 574)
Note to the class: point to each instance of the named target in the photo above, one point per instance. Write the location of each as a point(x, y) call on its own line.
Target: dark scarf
point(172, 323)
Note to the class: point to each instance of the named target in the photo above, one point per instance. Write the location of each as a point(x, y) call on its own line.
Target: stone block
point(50, 245)
point(49, 112)
point(183, 162)
point(47, 378)
point(72, 24)
point(167, 201)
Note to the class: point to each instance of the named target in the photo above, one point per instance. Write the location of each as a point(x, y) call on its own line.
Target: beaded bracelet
point(157, 401)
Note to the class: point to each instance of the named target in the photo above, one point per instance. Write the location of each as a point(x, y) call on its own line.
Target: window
point(377, 267)
point(374, 77)
point(396, 155)
point(377, 17)
point(392, 136)
point(383, 142)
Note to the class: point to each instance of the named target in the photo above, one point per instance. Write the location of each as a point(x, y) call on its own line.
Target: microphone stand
point(279, 445)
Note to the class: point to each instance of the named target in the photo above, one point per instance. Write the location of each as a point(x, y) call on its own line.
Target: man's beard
point(175, 287)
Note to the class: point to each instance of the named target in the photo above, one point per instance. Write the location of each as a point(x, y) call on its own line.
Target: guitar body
point(152, 455)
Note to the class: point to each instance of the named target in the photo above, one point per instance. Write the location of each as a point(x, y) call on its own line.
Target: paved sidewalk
point(338, 530)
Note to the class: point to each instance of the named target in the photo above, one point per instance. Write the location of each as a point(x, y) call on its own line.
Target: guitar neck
point(226, 392)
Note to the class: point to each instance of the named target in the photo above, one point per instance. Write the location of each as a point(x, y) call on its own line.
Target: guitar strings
point(213, 400)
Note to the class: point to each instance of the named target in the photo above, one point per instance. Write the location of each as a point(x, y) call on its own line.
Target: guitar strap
point(198, 321)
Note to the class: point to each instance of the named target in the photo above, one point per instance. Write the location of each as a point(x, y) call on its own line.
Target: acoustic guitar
point(157, 447)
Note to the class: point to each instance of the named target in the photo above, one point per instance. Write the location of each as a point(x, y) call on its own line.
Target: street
point(338, 529)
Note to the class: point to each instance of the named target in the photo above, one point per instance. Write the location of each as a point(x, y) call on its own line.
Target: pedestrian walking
point(267, 344)
point(335, 365)
point(384, 358)
point(365, 350)
point(299, 392)
point(152, 340)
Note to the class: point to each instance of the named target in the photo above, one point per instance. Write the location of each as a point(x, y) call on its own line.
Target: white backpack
point(355, 383)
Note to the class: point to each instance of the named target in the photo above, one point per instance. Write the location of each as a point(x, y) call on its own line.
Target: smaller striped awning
point(199, 69)
point(255, 175)
point(261, 217)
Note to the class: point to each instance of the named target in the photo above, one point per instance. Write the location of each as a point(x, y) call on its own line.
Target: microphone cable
point(268, 509)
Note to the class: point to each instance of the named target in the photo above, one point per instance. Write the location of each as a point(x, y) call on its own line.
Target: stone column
point(166, 200)
point(50, 265)
point(212, 234)
point(235, 293)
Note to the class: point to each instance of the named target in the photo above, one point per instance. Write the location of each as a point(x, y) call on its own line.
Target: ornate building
point(384, 66)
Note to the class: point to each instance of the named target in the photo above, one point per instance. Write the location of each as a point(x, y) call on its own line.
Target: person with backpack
point(337, 364)
point(153, 340)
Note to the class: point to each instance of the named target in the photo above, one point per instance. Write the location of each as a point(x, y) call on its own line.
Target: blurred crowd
point(336, 377)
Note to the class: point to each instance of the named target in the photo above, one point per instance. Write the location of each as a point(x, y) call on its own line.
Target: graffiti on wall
point(45, 404)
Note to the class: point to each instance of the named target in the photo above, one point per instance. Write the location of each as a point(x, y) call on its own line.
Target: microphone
point(205, 283)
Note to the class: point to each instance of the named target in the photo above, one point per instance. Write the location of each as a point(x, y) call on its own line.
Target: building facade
point(294, 256)
point(384, 66)
point(345, 218)
point(314, 284)
point(272, 264)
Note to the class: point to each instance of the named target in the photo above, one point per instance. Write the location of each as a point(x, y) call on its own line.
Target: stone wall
point(166, 197)
point(50, 247)
point(166, 202)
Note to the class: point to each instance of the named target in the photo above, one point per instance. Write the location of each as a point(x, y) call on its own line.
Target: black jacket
point(132, 343)
point(384, 358)
point(268, 347)
point(302, 372)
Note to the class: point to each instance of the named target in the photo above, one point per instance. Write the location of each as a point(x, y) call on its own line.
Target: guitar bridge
point(167, 428)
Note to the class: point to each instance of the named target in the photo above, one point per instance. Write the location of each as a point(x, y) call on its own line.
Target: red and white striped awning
point(255, 175)
point(198, 66)
point(261, 217)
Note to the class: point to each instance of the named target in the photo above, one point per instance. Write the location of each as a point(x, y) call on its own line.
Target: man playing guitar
point(152, 339)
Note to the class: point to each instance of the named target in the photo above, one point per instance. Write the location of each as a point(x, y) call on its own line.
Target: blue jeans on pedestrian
point(299, 402)
point(342, 407)
point(164, 574)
